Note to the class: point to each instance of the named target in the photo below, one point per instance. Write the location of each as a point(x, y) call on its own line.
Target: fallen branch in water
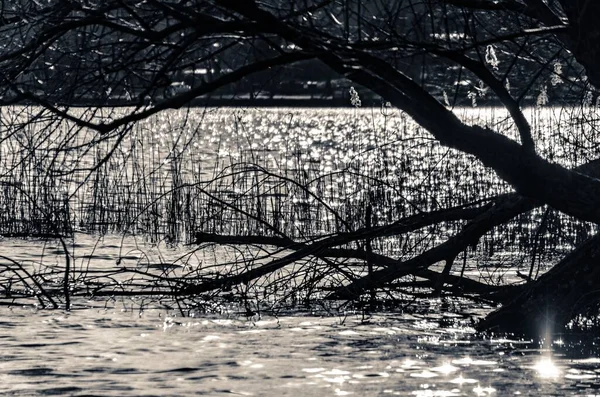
point(319, 247)
point(495, 293)
point(507, 209)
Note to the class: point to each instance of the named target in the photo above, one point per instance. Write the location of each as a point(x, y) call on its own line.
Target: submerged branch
point(319, 247)
point(466, 285)
point(500, 213)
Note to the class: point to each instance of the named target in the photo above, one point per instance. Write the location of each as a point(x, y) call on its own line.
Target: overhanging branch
point(532, 176)
point(176, 101)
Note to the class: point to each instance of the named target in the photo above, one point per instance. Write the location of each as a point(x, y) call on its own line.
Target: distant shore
point(277, 100)
point(237, 101)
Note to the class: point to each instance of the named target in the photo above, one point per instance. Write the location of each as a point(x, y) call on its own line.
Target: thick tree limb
point(497, 215)
point(507, 209)
point(513, 107)
point(405, 225)
point(546, 305)
point(532, 176)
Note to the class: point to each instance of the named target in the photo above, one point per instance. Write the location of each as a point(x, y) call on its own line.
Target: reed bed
point(299, 174)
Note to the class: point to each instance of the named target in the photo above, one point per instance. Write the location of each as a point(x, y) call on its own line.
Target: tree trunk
point(551, 301)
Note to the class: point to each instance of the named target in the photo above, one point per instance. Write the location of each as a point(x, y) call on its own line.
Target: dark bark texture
point(550, 302)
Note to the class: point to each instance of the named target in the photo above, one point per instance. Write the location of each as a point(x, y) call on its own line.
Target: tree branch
point(532, 176)
point(319, 248)
point(176, 101)
point(511, 206)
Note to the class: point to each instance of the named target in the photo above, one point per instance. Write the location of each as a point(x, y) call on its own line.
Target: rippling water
point(127, 353)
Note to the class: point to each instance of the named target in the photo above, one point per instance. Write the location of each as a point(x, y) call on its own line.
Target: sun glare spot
point(461, 381)
point(546, 368)
point(339, 392)
point(483, 391)
point(445, 368)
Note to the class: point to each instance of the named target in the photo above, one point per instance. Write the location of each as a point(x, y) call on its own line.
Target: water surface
point(122, 352)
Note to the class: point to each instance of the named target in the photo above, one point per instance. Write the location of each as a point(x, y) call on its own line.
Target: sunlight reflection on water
point(546, 368)
point(114, 352)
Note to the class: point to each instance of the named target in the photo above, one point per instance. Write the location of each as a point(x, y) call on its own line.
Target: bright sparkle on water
point(111, 352)
point(483, 391)
point(446, 368)
point(546, 368)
